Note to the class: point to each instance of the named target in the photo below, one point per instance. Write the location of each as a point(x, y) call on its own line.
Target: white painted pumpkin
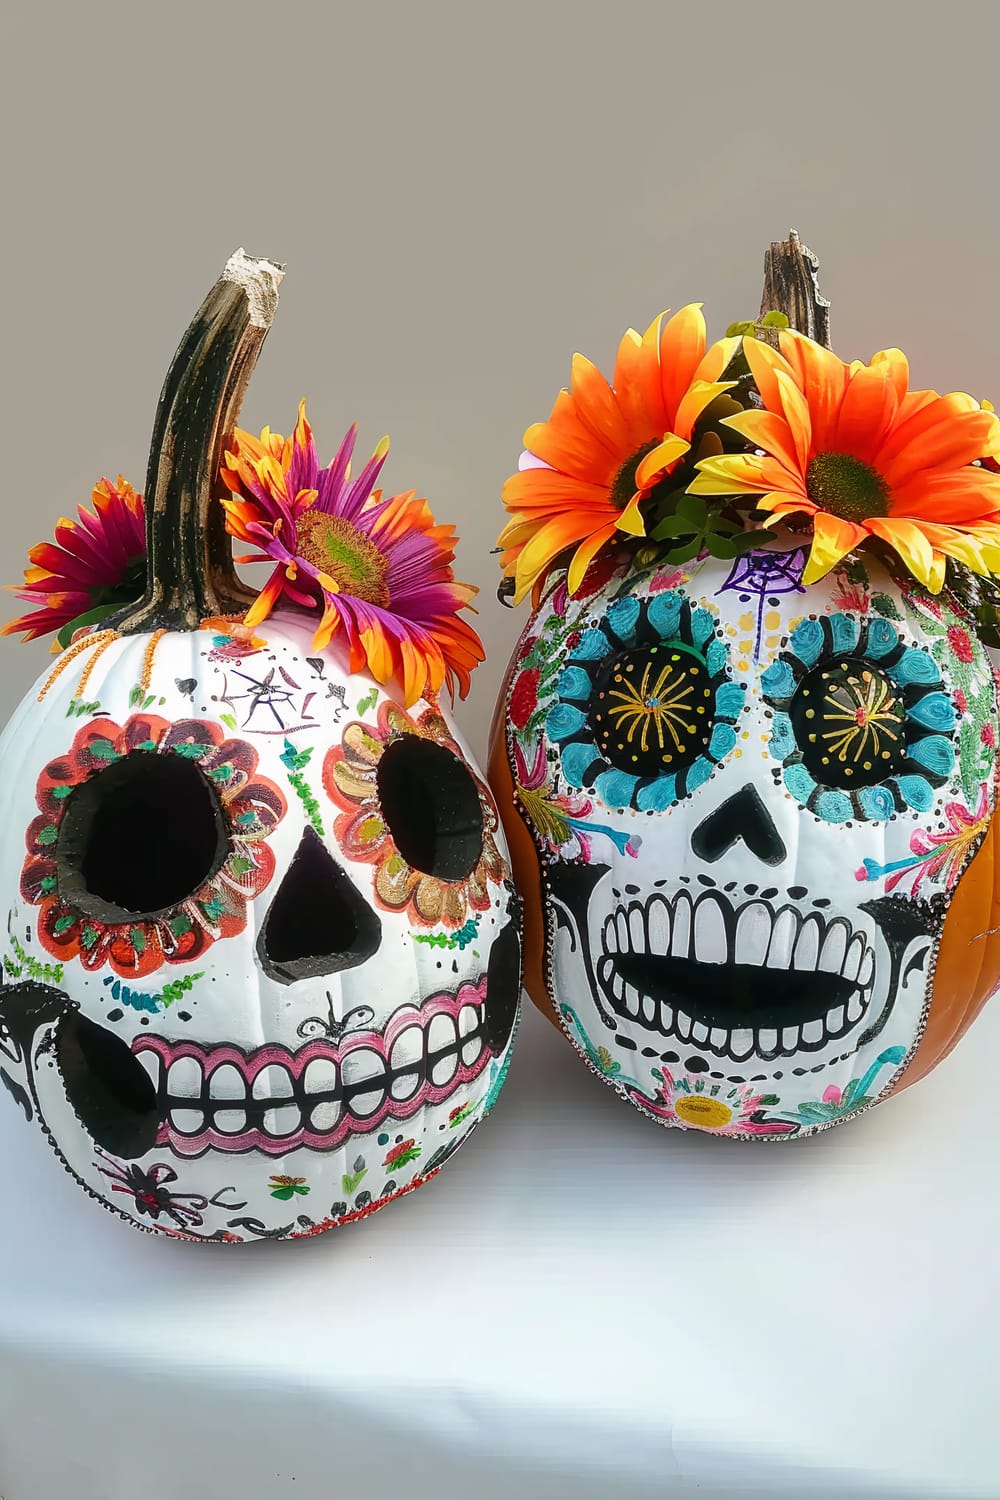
point(262, 956)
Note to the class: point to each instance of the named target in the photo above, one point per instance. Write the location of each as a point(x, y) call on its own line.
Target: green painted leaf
point(47, 835)
point(229, 720)
point(886, 606)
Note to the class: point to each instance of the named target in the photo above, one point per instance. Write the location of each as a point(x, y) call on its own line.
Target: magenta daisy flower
point(96, 565)
point(378, 569)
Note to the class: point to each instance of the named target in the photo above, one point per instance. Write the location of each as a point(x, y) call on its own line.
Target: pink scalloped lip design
point(425, 1054)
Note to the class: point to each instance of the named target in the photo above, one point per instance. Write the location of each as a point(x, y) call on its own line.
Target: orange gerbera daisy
point(604, 447)
point(853, 448)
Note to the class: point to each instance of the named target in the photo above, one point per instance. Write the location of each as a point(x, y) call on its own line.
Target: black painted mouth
point(737, 981)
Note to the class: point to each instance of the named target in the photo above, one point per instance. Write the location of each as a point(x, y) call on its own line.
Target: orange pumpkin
point(750, 800)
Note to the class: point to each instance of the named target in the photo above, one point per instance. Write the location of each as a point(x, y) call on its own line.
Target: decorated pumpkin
point(262, 954)
point(745, 750)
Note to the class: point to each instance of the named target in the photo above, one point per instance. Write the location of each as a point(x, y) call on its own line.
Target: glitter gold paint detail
point(865, 719)
point(85, 675)
point(101, 637)
point(662, 703)
point(146, 674)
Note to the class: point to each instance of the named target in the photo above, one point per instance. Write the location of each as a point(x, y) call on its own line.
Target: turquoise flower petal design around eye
point(936, 753)
point(844, 631)
point(562, 720)
point(935, 711)
point(778, 681)
point(622, 618)
point(574, 684)
point(645, 707)
point(593, 645)
point(664, 614)
point(881, 638)
point(878, 803)
point(916, 666)
point(807, 641)
point(577, 760)
point(852, 703)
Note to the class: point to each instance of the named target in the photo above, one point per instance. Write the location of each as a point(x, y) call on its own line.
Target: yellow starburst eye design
point(653, 710)
point(850, 721)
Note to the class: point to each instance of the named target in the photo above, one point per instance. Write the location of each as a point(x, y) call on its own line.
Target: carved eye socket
point(140, 837)
point(849, 719)
point(431, 807)
point(652, 709)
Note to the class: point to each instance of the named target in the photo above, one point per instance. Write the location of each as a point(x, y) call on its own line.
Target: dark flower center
point(847, 487)
point(337, 547)
point(623, 486)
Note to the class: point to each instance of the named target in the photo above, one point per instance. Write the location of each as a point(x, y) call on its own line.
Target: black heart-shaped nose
point(741, 816)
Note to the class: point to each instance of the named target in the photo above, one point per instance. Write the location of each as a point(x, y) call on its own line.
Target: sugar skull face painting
point(746, 750)
point(261, 958)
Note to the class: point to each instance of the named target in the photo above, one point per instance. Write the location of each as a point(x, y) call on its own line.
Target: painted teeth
point(198, 1093)
point(753, 933)
point(704, 927)
point(184, 1078)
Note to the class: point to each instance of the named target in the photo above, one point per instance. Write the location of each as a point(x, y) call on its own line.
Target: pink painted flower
point(960, 700)
point(988, 735)
point(692, 1103)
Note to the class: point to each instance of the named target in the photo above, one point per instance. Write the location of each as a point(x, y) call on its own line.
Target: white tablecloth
point(580, 1305)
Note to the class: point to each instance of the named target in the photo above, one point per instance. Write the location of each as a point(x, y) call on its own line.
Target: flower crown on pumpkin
point(378, 570)
point(694, 450)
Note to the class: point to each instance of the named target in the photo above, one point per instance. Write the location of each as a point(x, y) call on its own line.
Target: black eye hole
point(431, 807)
point(849, 720)
point(653, 709)
point(110, 1091)
point(140, 837)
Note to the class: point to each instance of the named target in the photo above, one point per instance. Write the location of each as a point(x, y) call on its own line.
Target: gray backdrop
point(464, 194)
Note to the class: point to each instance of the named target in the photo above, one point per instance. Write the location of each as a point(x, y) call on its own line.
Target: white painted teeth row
point(443, 1040)
point(698, 930)
point(741, 1043)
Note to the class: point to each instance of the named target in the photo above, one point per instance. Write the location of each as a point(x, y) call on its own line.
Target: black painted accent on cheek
point(110, 1091)
point(902, 921)
point(572, 887)
point(17, 1093)
point(742, 816)
point(503, 988)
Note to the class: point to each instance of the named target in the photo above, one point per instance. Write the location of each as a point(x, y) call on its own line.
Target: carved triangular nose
point(741, 816)
point(318, 924)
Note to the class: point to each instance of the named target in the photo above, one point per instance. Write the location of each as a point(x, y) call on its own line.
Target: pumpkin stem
point(190, 573)
point(791, 286)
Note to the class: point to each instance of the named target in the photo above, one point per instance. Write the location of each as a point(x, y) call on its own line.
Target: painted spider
point(151, 1195)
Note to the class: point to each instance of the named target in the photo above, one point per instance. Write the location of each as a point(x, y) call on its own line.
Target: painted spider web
point(765, 576)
